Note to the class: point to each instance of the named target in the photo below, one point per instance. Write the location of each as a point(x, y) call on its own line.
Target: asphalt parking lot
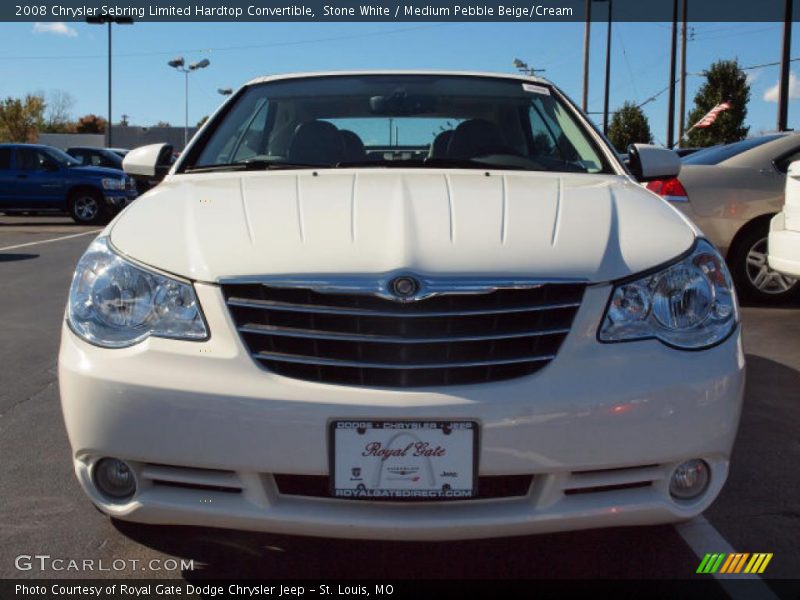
point(43, 511)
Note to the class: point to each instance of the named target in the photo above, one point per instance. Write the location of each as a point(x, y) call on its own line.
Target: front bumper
point(784, 247)
point(608, 420)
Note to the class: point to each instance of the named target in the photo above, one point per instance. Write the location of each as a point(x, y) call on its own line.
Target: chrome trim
point(314, 334)
point(380, 284)
point(334, 362)
point(364, 312)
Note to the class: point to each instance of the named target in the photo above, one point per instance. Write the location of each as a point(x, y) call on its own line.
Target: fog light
point(689, 480)
point(114, 478)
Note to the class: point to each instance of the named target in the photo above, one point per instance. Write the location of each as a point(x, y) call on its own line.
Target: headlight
point(113, 184)
point(114, 303)
point(690, 304)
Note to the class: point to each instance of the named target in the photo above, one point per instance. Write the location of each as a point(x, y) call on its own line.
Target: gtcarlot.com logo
point(45, 562)
point(740, 562)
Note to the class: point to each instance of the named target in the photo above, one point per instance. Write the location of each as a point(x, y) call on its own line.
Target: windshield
point(717, 154)
point(399, 120)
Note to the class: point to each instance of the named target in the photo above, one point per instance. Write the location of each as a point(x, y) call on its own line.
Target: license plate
point(404, 460)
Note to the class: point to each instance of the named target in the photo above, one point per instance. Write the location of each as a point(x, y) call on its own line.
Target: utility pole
point(682, 103)
point(608, 68)
point(586, 37)
point(673, 51)
point(783, 89)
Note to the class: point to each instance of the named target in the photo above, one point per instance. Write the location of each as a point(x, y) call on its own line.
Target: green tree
point(628, 126)
point(20, 118)
point(725, 82)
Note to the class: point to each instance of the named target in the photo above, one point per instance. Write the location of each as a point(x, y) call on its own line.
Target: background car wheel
point(755, 281)
point(86, 207)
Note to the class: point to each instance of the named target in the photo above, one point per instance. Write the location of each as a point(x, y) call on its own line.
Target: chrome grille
point(360, 338)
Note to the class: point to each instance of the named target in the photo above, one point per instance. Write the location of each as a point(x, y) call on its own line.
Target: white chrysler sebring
point(402, 306)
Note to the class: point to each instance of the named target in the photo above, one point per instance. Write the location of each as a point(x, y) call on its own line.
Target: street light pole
point(523, 67)
point(179, 65)
point(109, 20)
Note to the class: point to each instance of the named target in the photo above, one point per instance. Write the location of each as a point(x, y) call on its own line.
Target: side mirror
point(51, 166)
point(648, 162)
point(153, 161)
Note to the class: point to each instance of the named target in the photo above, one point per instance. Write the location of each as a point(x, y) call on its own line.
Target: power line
point(772, 64)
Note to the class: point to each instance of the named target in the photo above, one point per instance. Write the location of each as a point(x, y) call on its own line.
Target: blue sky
point(72, 57)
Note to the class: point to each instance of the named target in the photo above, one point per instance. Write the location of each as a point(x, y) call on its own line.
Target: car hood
point(97, 172)
point(214, 226)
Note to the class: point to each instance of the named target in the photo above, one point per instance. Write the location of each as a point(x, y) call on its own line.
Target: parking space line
point(58, 239)
point(702, 538)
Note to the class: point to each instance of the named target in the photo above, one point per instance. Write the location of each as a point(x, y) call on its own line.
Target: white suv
point(401, 305)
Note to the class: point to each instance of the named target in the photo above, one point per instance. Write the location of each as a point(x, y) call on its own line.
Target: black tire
point(755, 281)
point(87, 207)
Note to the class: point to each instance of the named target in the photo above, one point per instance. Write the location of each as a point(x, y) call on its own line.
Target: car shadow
point(767, 441)
point(760, 503)
point(225, 554)
point(14, 257)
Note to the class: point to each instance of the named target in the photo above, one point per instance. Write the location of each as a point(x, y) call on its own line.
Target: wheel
point(86, 207)
point(753, 278)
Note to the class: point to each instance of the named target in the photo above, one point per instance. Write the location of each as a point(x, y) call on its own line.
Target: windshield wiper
point(253, 165)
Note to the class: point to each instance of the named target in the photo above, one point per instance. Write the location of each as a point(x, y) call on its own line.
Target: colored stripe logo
point(740, 562)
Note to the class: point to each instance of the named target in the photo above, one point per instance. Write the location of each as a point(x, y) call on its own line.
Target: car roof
point(759, 151)
point(88, 148)
point(763, 155)
point(23, 145)
point(480, 74)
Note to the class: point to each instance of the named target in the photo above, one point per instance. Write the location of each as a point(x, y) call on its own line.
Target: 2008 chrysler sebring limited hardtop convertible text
point(401, 305)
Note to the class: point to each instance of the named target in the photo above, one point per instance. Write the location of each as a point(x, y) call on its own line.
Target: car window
point(29, 159)
point(79, 156)
point(783, 163)
point(418, 120)
point(5, 158)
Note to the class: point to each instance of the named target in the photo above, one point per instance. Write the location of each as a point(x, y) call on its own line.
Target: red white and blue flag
point(712, 115)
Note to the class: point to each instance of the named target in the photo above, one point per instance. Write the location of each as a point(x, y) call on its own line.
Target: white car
point(401, 305)
point(784, 232)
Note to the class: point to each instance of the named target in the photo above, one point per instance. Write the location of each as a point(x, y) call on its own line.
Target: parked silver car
point(732, 192)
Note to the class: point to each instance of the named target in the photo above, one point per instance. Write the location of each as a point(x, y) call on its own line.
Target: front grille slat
point(386, 339)
point(335, 362)
point(355, 312)
point(358, 338)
